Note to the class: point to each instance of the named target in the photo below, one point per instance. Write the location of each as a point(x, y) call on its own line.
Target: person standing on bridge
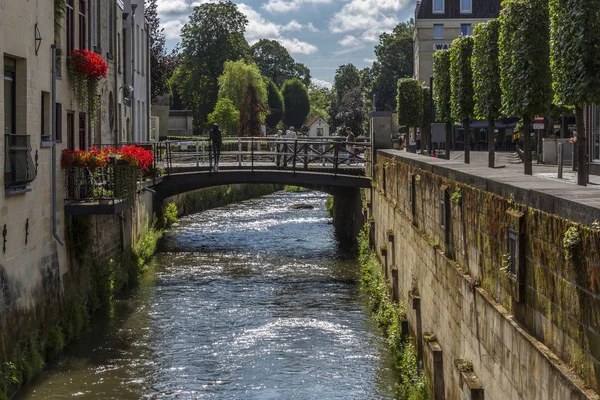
point(349, 145)
point(217, 137)
point(290, 135)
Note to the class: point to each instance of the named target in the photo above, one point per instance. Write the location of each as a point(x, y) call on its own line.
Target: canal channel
point(249, 301)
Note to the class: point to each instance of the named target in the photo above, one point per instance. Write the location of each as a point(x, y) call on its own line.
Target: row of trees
point(535, 54)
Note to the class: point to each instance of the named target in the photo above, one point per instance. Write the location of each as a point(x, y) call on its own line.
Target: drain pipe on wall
point(54, 222)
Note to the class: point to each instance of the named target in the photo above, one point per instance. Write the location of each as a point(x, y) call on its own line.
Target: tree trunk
point(582, 157)
point(448, 139)
point(491, 143)
point(527, 145)
point(467, 141)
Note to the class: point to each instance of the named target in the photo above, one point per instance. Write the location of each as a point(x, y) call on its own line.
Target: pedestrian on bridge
point(217, 138)
point(349, 145)
point(290, 135)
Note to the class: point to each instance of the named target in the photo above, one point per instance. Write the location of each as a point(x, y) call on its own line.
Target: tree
point(346, 78)
point(395, 58)
point(295, 102)
point(352, 110)
point(275, 62)
point(442, 93)
point(461, 84)
point(525, 64)
point(409, 102)
point(320, 101)
point(213, 35)
point(426, 119)
point(486, 78)
point(575, 34)
point(226, 115)
point(275, 103)
point(237, 77)
point(250, 113)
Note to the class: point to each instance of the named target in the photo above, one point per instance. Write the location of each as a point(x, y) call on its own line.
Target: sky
point(322, 34)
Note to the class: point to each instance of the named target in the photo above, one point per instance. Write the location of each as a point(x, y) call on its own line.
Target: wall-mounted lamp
point(38, 38)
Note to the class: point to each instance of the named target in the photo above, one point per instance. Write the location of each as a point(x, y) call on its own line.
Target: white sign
point(441, 46)
point(538, 126)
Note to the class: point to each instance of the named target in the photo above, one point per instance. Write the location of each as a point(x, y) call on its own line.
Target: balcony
point(20, 169)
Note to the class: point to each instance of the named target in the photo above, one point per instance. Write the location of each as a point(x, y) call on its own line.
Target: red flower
point(88, 63)
point(94, 157)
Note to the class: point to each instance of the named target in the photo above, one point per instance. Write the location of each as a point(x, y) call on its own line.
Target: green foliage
point(456, 196)
point(295, 189)
point(60, 6)
point(320, 101)
point(461, 78)
point(441, 85)
point(571, 242)
point(410, 102)
point(214, 34)
point(252, 113)
point(55, 342)
point(351, 111)
point(329, 206)
point(524, 57)
point(218, 196)
point(226, 115)
point(236, 78)
point(275, 62)
point(346, 78)
point(145, 246)
point(575, 34)
point(486, 70)
point(296, 104)
point(170, 214)
point(426, 119)
point(275, 103)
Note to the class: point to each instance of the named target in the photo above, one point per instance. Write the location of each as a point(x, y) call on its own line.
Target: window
point(465, 29)
point(81, 131)
point(438, 6)
point(137, 52)
point(319, 131)
point(443, 211)
point(119, 61)
point(512, 251)
point(45, 117)
point(10, 95)
point(109, 28)
point(70, 22)
point(97, 26)
point(82, 25)
point(466, 6)
point(70, 131)
point(438, 31)
point(58, 122)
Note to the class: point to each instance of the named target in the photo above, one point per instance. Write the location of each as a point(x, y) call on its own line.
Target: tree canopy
point(214, 34)
point(351, 112)
point(409, 102)
point(275, 103)
point(226, 115)
point(486, 70)
point(320, 101)
point(461, 78)
point(251, 110)
point(237, 77)
point(276, 63)
point(441, 85)
point(295, 102)
point(346, 78)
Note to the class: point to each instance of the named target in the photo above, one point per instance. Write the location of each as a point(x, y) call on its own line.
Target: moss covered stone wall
point(531, 331)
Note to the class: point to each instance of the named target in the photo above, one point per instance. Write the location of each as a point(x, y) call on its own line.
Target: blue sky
point(322, 34)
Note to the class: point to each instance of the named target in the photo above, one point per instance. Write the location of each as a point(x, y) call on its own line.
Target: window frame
point(466, 11)
point(70, 25)
point(433, 35)
point(82, 24)
point(464, 26)
point(442, 11)
point(10, 74)
point(58, 122)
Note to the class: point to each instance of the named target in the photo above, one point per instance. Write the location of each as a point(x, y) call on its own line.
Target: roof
point(314, 120)
point(482, 9)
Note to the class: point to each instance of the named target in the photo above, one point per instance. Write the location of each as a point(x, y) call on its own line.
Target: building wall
point(319, 124)
point(531, 335)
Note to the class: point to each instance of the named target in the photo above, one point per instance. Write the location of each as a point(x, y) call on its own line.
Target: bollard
point(560, 161)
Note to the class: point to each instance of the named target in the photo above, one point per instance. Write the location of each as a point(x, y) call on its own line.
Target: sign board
point(441, 46)
point(538, 126)
point(438, 133)
point(539, 119)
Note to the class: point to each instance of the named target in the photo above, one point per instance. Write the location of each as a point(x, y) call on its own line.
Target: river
point(249, 301)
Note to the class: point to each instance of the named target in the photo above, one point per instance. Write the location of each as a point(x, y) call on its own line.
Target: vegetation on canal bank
point(294, 189)
point(329, 206)
point(412, 383)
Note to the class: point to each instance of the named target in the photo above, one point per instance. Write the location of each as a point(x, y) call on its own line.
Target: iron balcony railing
point(20, 169)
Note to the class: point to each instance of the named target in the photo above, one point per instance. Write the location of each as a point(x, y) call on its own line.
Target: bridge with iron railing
point(185, 165)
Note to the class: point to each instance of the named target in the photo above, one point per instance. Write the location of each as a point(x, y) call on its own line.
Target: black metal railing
point(20, 169)
point(325, 155)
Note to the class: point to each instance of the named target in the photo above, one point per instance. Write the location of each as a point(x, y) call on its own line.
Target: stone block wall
point(529, 323)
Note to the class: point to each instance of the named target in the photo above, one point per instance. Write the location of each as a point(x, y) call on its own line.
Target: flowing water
point(249, 301)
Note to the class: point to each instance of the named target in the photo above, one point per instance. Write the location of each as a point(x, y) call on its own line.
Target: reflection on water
point(249, 301)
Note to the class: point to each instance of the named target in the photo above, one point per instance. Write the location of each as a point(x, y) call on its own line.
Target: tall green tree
point(525, 64)
point(409, 102)
point(346, 78)
point(351, 112)
point(320, 102)
point(395, 60)
point(295, 103)
point(461, 84)
point(426, 120)
point(251, 110)
point(226, 115)
point(214, 34)
point(237, 77)
point(486, 78)
point(275, 103)
point(276, 63)
point(574, 47)
point(442, 93)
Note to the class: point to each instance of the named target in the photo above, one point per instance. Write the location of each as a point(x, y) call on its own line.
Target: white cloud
point(346, 51)
point(350, 41)
point(283, 6)
point(169, 7)
point(369, 60)
point(172, 28)
point(293, 25)
point(321, 83)
point(295, 46)
point(312, 28)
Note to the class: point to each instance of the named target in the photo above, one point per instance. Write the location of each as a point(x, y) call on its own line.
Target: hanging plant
point(86, 68)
